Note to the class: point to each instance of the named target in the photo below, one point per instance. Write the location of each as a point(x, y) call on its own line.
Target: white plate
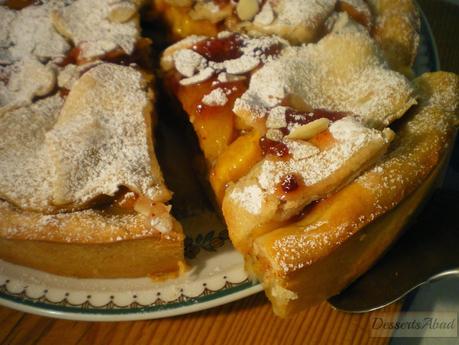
point(216, 277)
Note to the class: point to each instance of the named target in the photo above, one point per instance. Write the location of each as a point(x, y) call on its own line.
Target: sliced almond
point(145, 206)
point(247, 9)
point(121, 13)
point(309, 130)
point(388, 134)
point(60, 24)
point(266, 15)
point(203, 75)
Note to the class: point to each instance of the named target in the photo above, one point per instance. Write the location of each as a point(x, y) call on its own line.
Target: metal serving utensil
point(427, 251)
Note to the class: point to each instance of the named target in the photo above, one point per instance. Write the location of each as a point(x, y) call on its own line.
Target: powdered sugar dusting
point(27, 175)
point(98, 141)
point(419, 147)
point(323, 164)
point(27, 42)
point(27, 78)
point(251, 197)
point(196, 68)
point(355, 143)
point(217, 97)
point(309, 12)
point(101, 138)
point(88, 226)
point(32, 33)
point(344, 71)
point(87, 23)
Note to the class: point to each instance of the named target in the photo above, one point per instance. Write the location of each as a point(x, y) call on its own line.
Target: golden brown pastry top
point(77, 129)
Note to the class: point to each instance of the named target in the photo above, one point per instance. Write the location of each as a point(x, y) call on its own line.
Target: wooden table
point(248, 321)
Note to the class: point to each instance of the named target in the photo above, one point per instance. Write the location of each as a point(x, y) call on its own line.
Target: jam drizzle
point(289, 183)
point(220, 49)
point(275, 148)
point(304, 117)
point(229, 48)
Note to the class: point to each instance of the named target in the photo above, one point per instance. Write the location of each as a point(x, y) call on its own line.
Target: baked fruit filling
point(77, 156)
point(393, 24)
point(283, 126)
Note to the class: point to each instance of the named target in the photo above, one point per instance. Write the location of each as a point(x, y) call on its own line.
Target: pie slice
point(288, 125)
point(81, 192)
point(313, 259)
point(394, 24)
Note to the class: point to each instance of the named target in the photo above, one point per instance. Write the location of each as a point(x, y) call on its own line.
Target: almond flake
point(309, 130)
point(247, 9)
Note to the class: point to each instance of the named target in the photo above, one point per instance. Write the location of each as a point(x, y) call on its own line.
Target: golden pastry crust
point(314, 258)
point(131, 237)
point(81, 192)
point(394, 24)
point(396, 29)
point(90, 243)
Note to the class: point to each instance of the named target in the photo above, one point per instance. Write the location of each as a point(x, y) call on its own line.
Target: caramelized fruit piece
point(181, 23)
point(323, 140)
point(214, 125)
point(235, 162)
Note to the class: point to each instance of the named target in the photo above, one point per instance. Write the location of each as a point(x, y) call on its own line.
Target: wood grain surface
point(248, 321)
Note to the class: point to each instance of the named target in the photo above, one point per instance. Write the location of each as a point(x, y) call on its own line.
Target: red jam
point(228, 48)
point(302, 118)
point(289, 183)
point(63, 92)
point(220, 49)
point(275, 148)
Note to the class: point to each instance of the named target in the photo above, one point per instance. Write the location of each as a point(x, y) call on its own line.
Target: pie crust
point(394, 24)
point(82, 193)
